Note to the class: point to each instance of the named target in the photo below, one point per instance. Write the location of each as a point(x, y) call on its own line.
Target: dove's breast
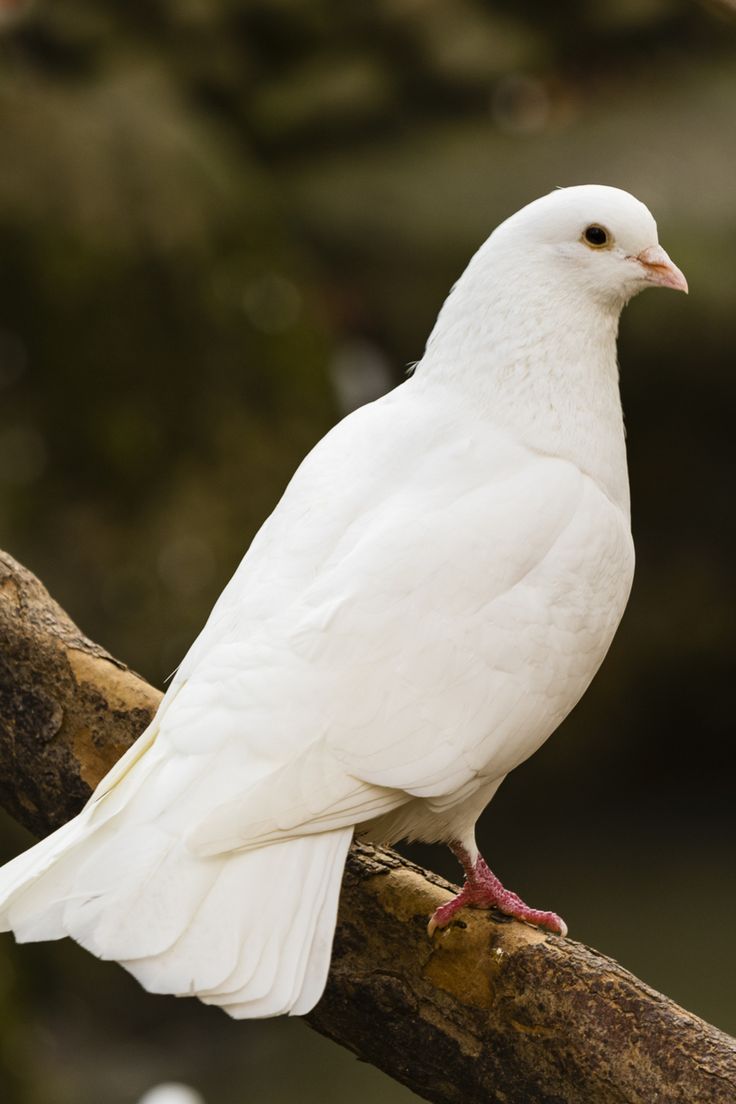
point(518, 666)
point(559, 621)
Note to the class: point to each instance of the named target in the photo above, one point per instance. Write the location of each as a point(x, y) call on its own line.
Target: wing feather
point(383, 638)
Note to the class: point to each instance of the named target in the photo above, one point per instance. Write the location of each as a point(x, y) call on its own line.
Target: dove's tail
point(250, 931)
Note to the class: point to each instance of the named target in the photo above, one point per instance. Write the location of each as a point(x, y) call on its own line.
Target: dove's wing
point(376, 642)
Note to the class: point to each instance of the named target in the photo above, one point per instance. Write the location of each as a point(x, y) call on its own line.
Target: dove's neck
point(538, 364)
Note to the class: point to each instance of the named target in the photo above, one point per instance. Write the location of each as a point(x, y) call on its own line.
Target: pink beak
point(659, 269)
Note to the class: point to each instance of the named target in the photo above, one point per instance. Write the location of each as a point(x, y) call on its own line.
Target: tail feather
point(275, 913)
point(281, 901)
point(249, 931)
point(317, 929)
point(33, 885)
point(134, 892)
point(194, 964)
point(302, 920)
point(317, 964)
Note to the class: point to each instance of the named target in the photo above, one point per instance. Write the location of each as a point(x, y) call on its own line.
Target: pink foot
point(483, 890)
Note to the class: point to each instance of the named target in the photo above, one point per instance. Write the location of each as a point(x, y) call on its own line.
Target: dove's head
point(590, 242)
point(541, 298)
point(529, 330)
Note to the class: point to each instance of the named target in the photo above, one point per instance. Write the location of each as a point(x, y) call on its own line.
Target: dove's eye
point(597, 237)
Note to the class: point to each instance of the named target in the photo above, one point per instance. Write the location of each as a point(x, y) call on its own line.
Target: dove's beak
point(659, 269)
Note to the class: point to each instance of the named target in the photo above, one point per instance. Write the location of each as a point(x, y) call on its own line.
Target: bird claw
point(483, 890)
point(547, 921)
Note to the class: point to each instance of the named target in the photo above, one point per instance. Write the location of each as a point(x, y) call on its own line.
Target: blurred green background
point(223, 225)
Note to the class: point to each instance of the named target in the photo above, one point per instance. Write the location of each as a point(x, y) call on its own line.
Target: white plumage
point(430, 598)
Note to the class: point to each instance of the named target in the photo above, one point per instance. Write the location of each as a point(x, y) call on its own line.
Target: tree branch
point(490, 1011)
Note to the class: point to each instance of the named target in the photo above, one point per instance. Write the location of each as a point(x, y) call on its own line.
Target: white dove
point(432, 595)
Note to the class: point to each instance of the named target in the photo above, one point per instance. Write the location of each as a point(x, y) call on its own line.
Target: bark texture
point(489, 1011)
point(68, 710)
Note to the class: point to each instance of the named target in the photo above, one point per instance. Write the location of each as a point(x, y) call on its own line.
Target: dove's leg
point(483, 890)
